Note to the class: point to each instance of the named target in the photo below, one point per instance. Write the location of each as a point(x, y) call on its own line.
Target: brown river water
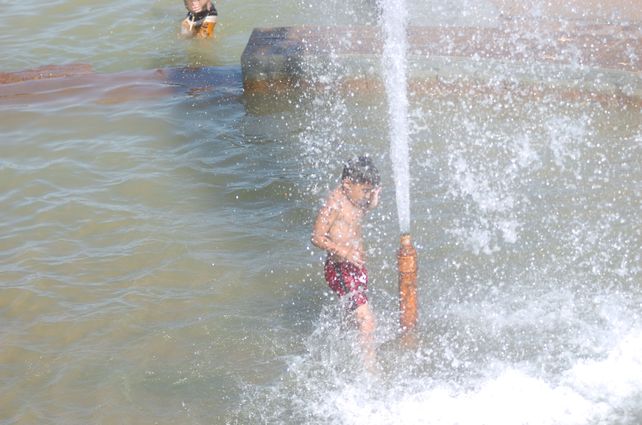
point(155, 263)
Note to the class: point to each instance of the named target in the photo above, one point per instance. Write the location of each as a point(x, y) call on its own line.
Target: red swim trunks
point(345, 278)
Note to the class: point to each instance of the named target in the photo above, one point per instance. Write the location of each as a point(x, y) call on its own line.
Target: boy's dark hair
point(361, 170)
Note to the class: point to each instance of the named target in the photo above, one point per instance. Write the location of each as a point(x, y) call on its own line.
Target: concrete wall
point(591, 10)
point(566, 56)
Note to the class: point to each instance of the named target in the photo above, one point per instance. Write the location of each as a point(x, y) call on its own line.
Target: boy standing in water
point(337, 229)
point(200, 20)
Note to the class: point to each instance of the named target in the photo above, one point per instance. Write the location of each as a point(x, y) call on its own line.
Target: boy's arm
point(327, 214)
point(374, 198)
point(321, 231)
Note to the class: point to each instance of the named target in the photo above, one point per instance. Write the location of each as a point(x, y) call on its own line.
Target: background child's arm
point(187, 28)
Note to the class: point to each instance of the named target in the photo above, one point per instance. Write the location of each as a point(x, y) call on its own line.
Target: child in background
point(200, 20)
point(337, 230)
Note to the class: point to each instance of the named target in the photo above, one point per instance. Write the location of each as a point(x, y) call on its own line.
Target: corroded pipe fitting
point(407, 265)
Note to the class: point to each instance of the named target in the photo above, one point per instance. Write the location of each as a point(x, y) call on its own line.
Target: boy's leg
point(366, 323)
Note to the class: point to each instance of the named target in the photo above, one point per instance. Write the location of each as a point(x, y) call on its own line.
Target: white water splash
point(394, 22)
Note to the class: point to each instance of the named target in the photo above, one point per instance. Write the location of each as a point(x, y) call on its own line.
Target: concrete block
point(536, 55)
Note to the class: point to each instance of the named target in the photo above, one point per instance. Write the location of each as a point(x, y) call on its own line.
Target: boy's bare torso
point(346, 229)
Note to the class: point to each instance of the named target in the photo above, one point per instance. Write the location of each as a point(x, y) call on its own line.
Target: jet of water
point(394, 22)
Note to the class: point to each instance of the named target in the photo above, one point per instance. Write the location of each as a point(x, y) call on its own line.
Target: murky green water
point(155, 264)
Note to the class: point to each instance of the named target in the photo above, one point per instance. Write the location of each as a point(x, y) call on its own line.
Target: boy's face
point(196, 6)
point(359, 194)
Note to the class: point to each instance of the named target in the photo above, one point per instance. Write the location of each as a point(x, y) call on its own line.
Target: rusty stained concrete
point(574, 59)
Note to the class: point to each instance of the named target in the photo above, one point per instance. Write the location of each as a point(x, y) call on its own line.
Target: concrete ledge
point(575, 57)
point(46, 72)
point(77, 81)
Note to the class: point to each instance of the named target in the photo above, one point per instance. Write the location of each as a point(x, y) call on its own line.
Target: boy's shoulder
point(333, 201)
point(336, 196)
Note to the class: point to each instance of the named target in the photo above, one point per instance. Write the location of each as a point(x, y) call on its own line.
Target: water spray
point(394, 64)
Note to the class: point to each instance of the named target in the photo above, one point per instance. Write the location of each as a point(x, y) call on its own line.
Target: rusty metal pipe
point(407, 265)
